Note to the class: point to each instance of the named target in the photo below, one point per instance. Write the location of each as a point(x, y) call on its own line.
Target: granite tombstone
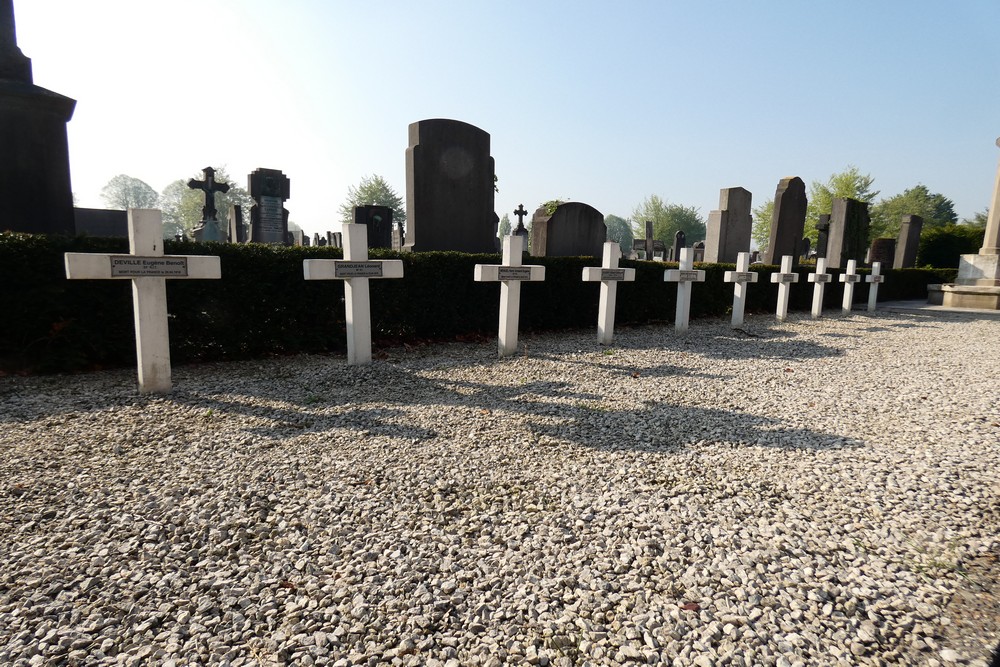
point(573, 230)
point(728, 230)
point(268, 216)
point(788, 220)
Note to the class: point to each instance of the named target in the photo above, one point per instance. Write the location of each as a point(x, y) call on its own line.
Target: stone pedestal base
point(953, 295)
point(982, 270)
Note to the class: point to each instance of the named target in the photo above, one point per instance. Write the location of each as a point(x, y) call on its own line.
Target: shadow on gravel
point(548, 413)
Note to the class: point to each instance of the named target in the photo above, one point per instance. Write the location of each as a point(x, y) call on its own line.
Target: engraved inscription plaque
point(133, 266)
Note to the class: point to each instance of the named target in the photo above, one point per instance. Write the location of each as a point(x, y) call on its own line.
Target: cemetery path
point(817, 493)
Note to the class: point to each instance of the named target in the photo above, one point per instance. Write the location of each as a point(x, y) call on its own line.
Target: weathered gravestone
point(882, 251)
point(849, 222)
point(449, 188)
point(148, 268)
point(729, 228)
point(822, 234)
point(699, 251)
point(680, 242)
point(573, 230)
point(298, 238)
point(378, 219)
point(268, 216)
point(100, 222)
point(788, 220)
point(652, 249)
point(804, 249)
point(908, 242)
point(237, 230)
point(355, 270)
point(209, 229)
point(35, 191)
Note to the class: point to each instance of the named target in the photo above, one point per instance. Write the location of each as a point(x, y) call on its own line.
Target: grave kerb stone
point(148, 269)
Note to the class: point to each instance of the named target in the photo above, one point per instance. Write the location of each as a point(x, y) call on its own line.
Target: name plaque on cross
point(612, 274)
point(514, 273)
point(131, 266)
point(741, 276)
point(345, 269)
point(820, 277)
point(688, 275)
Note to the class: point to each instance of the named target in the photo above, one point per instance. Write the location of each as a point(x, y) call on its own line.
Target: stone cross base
point(952, 295)
point(981, 270)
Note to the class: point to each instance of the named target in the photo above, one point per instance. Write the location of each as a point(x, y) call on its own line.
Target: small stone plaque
point(875, 279)
point(612, 274)
point(822, 277)
point(344, 269)
point(514, 273)
point(850, 278)
point(786, 277)
point(687, 276)
point(133, 266)
point(743, 276)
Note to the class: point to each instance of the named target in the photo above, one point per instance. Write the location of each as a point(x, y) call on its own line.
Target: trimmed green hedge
point(942, 246)
point(262, 306)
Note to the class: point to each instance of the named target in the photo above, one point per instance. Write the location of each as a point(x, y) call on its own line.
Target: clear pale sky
point(600, 102)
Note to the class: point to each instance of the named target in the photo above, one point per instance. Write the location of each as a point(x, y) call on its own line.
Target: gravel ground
point(810, 493)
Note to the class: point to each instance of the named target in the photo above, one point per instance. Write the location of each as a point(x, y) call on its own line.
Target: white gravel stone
point(804, 495)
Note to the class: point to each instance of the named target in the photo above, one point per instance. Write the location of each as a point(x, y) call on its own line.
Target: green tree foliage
point(182, 205)
point(372, 191)
point(620, 231)
point(940, 247)
point(504, 228)
point(668, 219)
point(978, 219)
point(124, 192)
point(936, 210)
point(760, 233)
point(847, 184)
point(551, 205)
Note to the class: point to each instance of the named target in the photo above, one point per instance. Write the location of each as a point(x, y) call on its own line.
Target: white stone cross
point(849, 279)
point(510, 274)
point(741, 276)
point(784, 278)
point(875, 278)
point(355, 270)
point(821, 278)
point(148, 268)
point(608, 274)
point(684, 276)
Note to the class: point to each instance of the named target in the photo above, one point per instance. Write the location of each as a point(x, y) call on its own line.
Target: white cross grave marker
point(509, 274)
point(608, 274)
point(355, 270)
point(820, 278)
point(875, 278)
point(684, 276)
point(849, 279)
point(741, 276)
point(784, 279)
point(148, 268)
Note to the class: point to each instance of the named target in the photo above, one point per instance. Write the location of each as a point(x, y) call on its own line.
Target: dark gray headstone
point(729, 228)
point(788, 222)
point(680, 241)
point(268, 216)
point(398, 236)
point(755, 256)
point(317, 239)
point(909, 241)
point(306, 240)
point(101, 222)
point(883, 250)
point(573, 230)
point(822, 234)
point(35, 191)
point(698, 252)
point(805, 248)
point(449, 188)
point(378, 219)
point(849, 224)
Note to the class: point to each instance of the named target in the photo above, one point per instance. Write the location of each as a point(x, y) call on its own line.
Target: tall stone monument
point(978, 282)
point(268, 216)
point(35, 191)
point(849, 223)
point(210, 230)
point(788, 221)
point(449, 188)
point(729, 228)
point(908, 242)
